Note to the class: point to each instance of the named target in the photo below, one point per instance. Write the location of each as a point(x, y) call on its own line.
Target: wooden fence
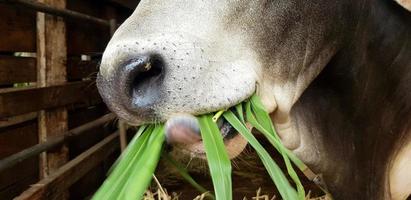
point(57, 138)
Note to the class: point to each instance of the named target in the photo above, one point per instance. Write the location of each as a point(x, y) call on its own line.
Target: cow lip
point(231, 138)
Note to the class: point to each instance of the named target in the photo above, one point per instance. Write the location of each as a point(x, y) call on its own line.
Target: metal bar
point(53, 142)
point(41, 7)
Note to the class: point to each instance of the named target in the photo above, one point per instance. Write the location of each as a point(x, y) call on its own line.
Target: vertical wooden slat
point(51, 70)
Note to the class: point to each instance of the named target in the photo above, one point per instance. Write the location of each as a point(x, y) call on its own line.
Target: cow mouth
point(227, 131)
point(233, 142)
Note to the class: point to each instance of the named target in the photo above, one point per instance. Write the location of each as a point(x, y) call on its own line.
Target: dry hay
point(250, 180)
point(162, 194)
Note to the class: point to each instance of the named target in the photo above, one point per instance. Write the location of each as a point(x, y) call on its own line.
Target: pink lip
point(234, 147)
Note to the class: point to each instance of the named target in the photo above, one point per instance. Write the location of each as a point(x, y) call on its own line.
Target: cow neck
point(359, 107)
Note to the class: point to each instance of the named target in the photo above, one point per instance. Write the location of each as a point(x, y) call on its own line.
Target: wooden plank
point(51, 47)
point(15, 180)
point(23, 69)
point(85, 187)
point(18, 179)
point(78, 69)
point(56, 11)
point(57, 183)
point(85, 38)
point(53, 142)
point(21, 101)
point(17, 35)
point(11, 138)
point(89, 7)
point(91, 181)
point(17, 70)
point(89, 38)
point(51, 70)
point(80, 116)
point(10, 121)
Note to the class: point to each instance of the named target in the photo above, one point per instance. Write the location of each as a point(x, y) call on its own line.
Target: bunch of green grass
point(132, 173)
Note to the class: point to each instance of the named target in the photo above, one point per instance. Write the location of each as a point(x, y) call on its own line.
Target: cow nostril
point(137, 75)
point(151, 72)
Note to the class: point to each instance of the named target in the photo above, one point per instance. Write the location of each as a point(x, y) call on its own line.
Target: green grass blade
point(126, 152)
point(144, 168)
point(259, 110)
point(217, 157)
point(261, 115)
point(267, 128)
point(113, 184)
point(286, 190)
point(184, 173)
point(239, 109)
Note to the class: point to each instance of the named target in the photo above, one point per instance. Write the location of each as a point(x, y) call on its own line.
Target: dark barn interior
point(49, 102)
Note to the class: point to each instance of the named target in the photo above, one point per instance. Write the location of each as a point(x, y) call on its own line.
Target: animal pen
point(57, 139)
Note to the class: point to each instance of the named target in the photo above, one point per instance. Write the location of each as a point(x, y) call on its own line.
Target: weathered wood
point(52, 142)
point(23, 69)
point(92, 180)
point(17, 70)
point(78, 69)
point(83, 115)
point(88, 38)
point(21, 101)
point(10, 121)
point(14, 139)
point(18, 179)
point(54, 185)
point(49, 8)
point(80, 116)
point(85, 187)
point(17, 35)
point(51, 70)
point(122, 129)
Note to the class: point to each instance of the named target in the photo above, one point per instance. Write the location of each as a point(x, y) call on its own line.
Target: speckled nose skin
point(185, 75)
